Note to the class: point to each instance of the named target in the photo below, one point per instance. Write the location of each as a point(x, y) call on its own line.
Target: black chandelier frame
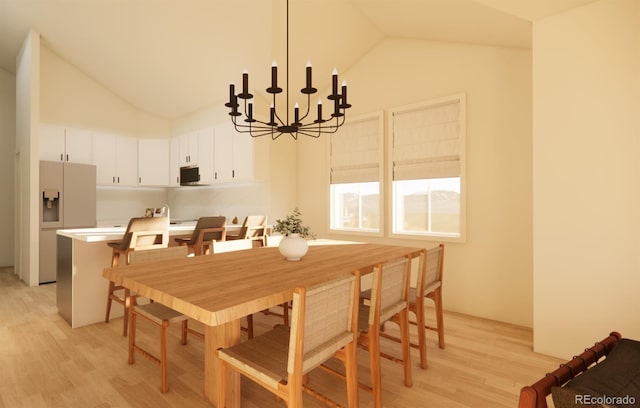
point(245, 122)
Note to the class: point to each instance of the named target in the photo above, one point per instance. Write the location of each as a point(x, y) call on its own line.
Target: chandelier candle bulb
point(334, 87)
point(296, 113)
point(319, 110)
point(309, 74)
point(232, 94)
point(250, 113)
point(274, 75)
point(344, 104)
point(245, 82)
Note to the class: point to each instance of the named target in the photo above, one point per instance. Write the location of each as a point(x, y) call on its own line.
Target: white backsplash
point(230, 200)
point(115, 206)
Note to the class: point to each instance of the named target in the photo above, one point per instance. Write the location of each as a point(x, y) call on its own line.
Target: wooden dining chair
point(156, 313)
point(389, 301)
point(207, 230)
point(142, 233)
point(428, 285)
point(254, 227)
point(324, 321)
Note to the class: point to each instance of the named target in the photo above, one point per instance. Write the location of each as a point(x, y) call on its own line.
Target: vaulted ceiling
point(170, 57)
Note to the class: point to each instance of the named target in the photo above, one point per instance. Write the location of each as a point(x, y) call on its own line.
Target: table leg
point(216, 337)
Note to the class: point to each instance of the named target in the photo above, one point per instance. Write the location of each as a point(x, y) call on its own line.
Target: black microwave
point(189, 175)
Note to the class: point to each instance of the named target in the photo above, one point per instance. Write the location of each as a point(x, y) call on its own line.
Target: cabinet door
point(223, 153)
point(78, 146)
point(127, 160)
point(51, 142)
point(205, 155)
point(242, 156)
point(104, 157)
point(174, 162)
point(189, 149)
point(153, 162)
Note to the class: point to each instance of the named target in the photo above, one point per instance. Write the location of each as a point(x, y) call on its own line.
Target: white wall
point(27, 149)
point(586, 146)
point(490, 275)
point(7, 164)
point(69, 97)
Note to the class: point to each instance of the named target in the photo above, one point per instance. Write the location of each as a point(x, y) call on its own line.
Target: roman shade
point(427, 140)
point(356, 151)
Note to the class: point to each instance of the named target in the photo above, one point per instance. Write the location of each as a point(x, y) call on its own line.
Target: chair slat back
point(390, 290)
point(323, 320)
point(431, 272)
point(228, 246)
point(215, 227)
point(146, 233)
point(156, 255)
point(253, 226)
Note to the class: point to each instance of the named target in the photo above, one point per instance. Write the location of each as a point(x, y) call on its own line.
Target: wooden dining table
point(220, 289)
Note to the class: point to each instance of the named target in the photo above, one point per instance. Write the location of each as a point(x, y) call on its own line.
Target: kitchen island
point(81, 291)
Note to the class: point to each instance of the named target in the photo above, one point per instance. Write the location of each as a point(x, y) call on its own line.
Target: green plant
point(292, 224)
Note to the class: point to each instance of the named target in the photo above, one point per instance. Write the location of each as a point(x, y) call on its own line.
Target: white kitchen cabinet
point(153, 162)
point(59, 143)
point(188, 148)
point(194, 149)
point(242, 156)
point(223, 153)
point(205, 155)
point(116, 159)
point(174, 162)
point(233, 154)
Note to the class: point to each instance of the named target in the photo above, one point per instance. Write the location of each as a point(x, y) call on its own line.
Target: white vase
point(293, 247)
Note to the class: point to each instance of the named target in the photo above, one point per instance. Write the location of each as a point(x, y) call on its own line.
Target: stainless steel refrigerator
point(67, 200)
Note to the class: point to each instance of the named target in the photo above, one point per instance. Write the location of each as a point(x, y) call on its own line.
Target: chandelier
point(304, 122)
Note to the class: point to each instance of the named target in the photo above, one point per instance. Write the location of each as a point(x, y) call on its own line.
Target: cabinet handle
point(118, 179)
point(233, 174)
point(61, 157)
point(139, 179)
point(114, 179)
point(67, 157)
point(215, 175)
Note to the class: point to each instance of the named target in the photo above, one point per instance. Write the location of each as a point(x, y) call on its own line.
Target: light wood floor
point(45, 363)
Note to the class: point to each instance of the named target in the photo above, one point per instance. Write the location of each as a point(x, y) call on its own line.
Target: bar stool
point(142, 233)
point(254, 227)
point(207, 230)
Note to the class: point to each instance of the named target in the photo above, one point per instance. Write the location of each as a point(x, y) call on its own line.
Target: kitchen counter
point(102, 234)
point(82, 255)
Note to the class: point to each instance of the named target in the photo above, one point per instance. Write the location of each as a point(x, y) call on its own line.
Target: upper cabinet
point(188, 149)
point(116, 159)
point(153, 162)
point(58, 143)
point(174, 162)
point(233, 154)
point(193, 149)
point(205, 155)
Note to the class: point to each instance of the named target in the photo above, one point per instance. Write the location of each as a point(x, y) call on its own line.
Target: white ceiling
point(170, 57)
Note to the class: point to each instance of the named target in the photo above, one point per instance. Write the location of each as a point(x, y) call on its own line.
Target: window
point(356, 171)
point(427, 151)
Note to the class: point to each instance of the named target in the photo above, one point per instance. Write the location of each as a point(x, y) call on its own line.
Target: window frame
point(380, 117)
point(390, 215)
